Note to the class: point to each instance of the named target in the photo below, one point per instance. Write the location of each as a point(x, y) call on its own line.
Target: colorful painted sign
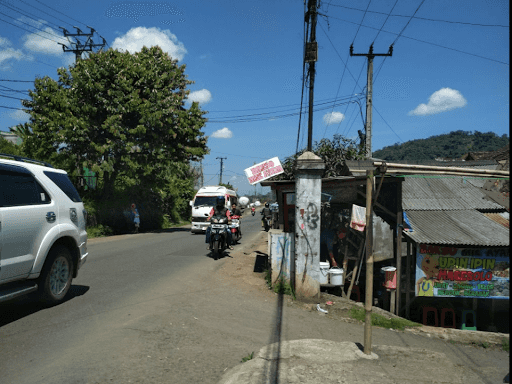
point(477, 273)
point(264, 170)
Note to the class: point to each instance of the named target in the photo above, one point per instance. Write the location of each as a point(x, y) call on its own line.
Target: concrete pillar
point(308, 189)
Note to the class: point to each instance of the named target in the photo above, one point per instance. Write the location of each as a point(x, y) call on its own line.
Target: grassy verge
point(381, 321)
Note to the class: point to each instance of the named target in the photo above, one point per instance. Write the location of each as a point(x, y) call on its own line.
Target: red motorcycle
point(235, 228)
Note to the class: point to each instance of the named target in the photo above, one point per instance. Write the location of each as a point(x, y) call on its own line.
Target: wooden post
point(369, 265)
point(399, 227)
point(408, 281)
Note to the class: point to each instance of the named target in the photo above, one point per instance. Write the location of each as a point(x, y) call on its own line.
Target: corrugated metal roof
point(456, 228)
point(446, 193)
point(497, 217)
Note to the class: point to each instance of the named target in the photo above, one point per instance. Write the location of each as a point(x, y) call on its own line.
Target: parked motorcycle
point(218, 234)
point(235, 228)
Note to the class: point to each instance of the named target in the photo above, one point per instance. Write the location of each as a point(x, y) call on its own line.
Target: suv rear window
point(62, 181)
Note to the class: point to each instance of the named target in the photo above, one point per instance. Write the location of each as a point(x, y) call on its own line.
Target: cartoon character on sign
point(430, 266)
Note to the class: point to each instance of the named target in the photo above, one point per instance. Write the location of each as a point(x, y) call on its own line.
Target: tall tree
point(332, 152)
point(119, 114)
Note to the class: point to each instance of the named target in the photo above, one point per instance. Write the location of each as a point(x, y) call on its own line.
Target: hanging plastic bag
point(358, 219)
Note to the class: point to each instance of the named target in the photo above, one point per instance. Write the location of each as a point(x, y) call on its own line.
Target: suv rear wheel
point(56, 276)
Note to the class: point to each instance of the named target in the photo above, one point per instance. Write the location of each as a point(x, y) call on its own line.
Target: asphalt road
point(131, 316)
point(154, 308)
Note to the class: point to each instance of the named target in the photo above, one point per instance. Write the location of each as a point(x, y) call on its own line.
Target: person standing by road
point(135, 218)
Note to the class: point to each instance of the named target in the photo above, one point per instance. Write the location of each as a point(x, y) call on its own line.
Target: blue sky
point(449, 70)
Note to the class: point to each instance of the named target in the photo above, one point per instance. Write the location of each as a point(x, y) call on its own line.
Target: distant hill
point(452, 145)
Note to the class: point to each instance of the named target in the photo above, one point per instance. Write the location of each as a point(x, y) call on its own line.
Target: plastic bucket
point(390, 282)
point(324, 272)
point(336, 276)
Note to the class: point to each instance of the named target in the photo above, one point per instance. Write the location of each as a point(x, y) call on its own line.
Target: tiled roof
point(456, 228)
point(446, 193)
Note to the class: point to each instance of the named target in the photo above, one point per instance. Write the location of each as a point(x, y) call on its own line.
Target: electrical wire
point(399, 138)
point(46, 13)
point(44, 37)
point(18, 81)
point(424, 18)
point(361, 23)
point(69, 17)
point(403, 29)
point(385, 22)
point(19, 10)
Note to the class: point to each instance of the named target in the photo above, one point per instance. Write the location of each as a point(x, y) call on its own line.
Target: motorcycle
point(253, 212)
point(235, 228)
point(218, 235)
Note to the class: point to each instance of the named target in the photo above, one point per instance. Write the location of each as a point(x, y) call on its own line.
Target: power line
point(18, 81)
point(403, 29)
point(388, 124)
point(40, 30)
point(16, 9)
point(53, 9)
point(46, 13)
point(11, 97)
point(426, 42)
point(383, 24)
point(424, 18)
point(18, 109)
point(361, 23)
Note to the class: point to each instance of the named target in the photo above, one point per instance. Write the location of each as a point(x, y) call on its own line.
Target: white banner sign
point(264, 170)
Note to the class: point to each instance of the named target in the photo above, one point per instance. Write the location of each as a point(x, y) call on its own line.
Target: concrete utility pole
point(311, 57)
point(79, 46)
point(369, 191)
point(369, 93)
point(221, 163)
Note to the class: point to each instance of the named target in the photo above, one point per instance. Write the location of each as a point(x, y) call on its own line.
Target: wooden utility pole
point(311, 56)
point(221, 163)
point(369, 93)
point(368, 302)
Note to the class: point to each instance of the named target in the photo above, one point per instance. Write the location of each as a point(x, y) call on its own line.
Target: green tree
point(228, 186)
point(119, 114)
point(9, 148)
point(333, 152)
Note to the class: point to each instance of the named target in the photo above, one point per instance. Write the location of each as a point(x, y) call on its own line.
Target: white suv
point(43, 241)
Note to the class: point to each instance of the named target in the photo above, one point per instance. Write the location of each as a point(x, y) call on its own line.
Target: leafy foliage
point(228, 186)
point(332, 152)
point(122, 116)
point(9, 148)
point(119, 114)
point(452, 145)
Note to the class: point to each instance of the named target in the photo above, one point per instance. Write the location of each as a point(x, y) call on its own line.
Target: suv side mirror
point(191, 203)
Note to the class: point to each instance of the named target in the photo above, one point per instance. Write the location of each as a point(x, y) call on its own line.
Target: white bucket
point(324, 272)
point(336, 276)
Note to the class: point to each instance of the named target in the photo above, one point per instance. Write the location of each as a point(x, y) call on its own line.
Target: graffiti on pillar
point(312, 216)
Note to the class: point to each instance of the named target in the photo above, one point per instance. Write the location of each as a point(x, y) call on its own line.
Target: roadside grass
point(99, 231)
point(280, 286)
point(248, 357)
point(505, 345)
point(381, 321)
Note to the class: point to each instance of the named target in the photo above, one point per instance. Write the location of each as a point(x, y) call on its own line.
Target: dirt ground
point(241, 272)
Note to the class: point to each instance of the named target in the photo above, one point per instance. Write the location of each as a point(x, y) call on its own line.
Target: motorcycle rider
point(266, 212)
point(220, 210)
point(253, 210)
point(236, 212)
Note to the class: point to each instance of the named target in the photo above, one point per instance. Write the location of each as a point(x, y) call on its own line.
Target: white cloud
point(333, 118)
point(202, 96)
point(19, 115)
point(443, 100)
point(45, 42)
point(136, 38)
point(223, 133)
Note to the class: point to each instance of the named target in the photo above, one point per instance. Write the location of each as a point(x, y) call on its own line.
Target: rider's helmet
point(266, 205)
point(220, 201)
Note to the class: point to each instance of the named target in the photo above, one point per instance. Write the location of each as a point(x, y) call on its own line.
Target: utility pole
point(369, 93)
point(202, 176)
point(311, 56)
point(80, 47)
point(369, 191)
point(221, 162)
